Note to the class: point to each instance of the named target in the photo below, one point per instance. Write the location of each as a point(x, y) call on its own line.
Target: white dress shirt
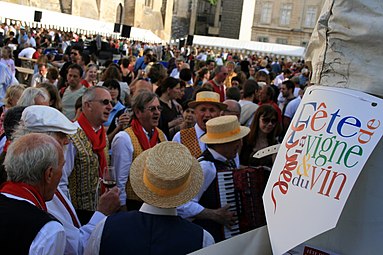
point(93, 246)
point(69, 156)
point(193, 208)
point(76, 238)
point(50, 240)
point(122, 157)
point(199, 133)
point(27, 52)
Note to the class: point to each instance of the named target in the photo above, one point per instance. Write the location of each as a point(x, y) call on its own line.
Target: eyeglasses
point(102, 101)
point(144, 79)
point(154, 108)
point(269, 120)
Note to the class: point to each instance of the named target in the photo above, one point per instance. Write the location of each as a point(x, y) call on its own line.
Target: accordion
point(243, 189)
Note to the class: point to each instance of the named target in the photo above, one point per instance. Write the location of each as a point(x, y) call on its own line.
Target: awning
point(65, 22)
point(248, 46)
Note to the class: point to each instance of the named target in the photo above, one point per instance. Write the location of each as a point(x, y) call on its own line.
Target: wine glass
point(109, 177)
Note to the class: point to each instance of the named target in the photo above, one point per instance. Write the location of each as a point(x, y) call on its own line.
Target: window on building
point(304, 44)
point(119, 14)
point(285, 14)
point(311, 16)
point(263, 39)
point(266, 13)
point(149, 3)
point(281, 41)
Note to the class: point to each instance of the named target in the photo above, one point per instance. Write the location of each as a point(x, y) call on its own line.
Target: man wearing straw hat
point(163, 182)
point(206, 106)
point(224, 139)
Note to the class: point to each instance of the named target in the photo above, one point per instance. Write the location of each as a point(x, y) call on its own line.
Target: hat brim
point(221, 106)
point(149, 197)
point(244, 131)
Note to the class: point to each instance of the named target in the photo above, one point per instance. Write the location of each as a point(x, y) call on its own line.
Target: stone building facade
point(285, 21)
point(154, 15)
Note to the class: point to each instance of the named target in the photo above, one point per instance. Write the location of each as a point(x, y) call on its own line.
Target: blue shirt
point(6, 79)
point(115, 109)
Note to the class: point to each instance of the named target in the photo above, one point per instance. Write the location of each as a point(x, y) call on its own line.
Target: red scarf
point(142, 138)
point(98, 140)
point(7, 143)
point(24, 191)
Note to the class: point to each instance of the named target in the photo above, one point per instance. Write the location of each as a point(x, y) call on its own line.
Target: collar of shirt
point(147, 133)
point(199, 131)
point(150, 209)
point(221, 158)
point(216, 155)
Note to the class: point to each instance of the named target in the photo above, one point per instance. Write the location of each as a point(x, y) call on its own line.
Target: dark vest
point(20, 222)
point(210, 199)
point(141, 233)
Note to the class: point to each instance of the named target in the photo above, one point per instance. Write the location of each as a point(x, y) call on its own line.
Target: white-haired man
point(34, 167)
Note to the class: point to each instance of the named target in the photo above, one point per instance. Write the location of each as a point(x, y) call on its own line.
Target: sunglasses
point(154, 108)
point(269, 120)
point(102, 101)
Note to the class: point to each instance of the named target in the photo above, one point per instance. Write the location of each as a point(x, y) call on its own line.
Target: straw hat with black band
point(224, 129)
point(207, 97)
point(166, 176)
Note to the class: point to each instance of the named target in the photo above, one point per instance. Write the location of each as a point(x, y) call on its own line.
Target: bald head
point(140, 85)
point(233, 108)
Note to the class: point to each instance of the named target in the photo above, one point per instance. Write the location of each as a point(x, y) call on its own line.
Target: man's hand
point(221, 215)
point(109, 202)
point(224, 216)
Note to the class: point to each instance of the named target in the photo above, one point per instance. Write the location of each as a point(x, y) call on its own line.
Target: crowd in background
point(146, 86)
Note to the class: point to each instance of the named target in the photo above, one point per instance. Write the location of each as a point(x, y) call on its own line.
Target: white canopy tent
point(66, 22)
point(249, 46)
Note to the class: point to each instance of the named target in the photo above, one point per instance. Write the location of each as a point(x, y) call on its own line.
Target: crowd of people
point(167, 119)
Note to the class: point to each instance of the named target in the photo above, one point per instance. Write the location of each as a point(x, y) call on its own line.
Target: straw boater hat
point(224, 129)
point(166, 175)
point(210, 97)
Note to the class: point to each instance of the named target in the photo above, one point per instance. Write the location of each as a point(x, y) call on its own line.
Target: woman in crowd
point(157, 74)
point(53, 76)
point(54, 96)
point(188, 115)
point(90, 76)
point(114, 88)
point(11, 98)
point(13, 95)
point(203, 76)
point(34, 96)
point(171, 117)
point(113, 73)
point(6, 59)
point(127, 75)
point(262, 134)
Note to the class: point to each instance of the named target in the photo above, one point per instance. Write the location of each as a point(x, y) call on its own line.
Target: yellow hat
point(224, 129)
point(210, 97)
point(166, 175)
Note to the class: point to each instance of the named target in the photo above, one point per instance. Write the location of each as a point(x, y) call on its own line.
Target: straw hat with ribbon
point(210, 97)
point(224, 129)
point(166, 175)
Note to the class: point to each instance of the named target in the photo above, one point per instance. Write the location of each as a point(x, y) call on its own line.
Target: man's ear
point(48, 175)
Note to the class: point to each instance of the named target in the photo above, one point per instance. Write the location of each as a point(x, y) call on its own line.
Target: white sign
point(330, 138)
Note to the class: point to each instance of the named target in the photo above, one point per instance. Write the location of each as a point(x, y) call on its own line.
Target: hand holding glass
point(109, 177)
